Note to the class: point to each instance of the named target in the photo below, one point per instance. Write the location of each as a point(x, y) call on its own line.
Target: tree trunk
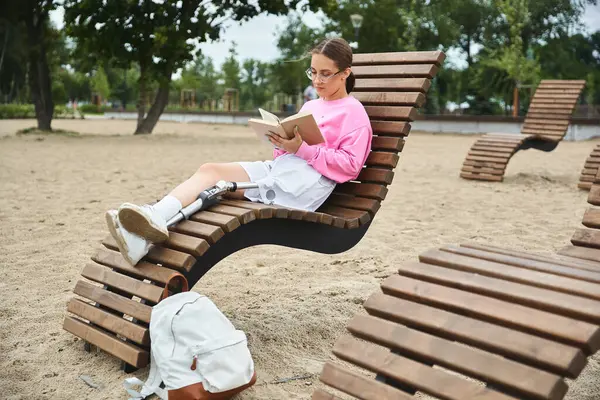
point(160, 102)
point(142, 96)
point(39, 73)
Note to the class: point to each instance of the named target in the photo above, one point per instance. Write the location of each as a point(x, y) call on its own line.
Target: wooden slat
point(122, 282)
point(243, 215)
point(548, 300)
point(481, 177)
point(488, 144)
point(591, 218)
point(564, 97)
point(323, 218)
point(585, 253)
point(359, 386)
point(568, 102)
point(187, 244)
point(415, 57)
point(160, 255)
point(534, 265)
point(369, 190)
point(586, 238)
point(493, 154)
point(546, 324)
point(469, 361)
point(523, 347)
point(432, 381)
point(387, 143)
point(415, 99)
point(594, 196)
point(487, 164)
point(391, 113)
point(114, 301)
point(559, 91)
point(225, 222)
point(486, 171)
point(210, 233)
point(357, 203)
point(393, 84)
point(493, 149)
point(550, 115)
point(584, 185)
point(572, 263)
point(382, 159)
point(110, 322)
point(320, 394)
point(354, 218)
point(390, 128)
point(132, 355)
point(551, 106)
point(395, 71)
point(261, 211)
point(541, 279)
point(142, 269)
point(376, 175)
point(563, 124)
point(499, 160)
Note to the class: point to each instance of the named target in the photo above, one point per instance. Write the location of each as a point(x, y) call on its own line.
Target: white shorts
point(287, 181)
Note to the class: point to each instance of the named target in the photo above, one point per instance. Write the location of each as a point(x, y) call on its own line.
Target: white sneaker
point(132, 247)
point(144, 221)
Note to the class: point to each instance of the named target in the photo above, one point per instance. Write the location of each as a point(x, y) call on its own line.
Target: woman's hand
point(290, 145)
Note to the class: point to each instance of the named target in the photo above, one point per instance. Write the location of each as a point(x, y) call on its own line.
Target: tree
point(158, 35)
point(255, 84)
point(99, 83)
point(33, 15)
point(231, 69)
point(294, 42)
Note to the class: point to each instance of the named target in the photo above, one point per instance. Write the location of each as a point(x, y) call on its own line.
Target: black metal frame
point(303, 235)
point(538, 143)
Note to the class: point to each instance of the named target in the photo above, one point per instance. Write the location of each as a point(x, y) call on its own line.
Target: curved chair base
point(324, 239)
point(488, 157)
point(590, 169)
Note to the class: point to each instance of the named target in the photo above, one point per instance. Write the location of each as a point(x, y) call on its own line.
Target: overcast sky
point(256, 38)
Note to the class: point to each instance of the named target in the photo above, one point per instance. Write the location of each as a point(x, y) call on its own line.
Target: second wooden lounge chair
point(590, 169)
point(114, 304)
point(545, 126)
point(477, 322)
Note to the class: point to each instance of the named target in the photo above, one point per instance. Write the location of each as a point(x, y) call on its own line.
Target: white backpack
point(195, 350)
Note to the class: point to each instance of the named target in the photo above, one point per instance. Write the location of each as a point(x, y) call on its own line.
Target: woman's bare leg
point(206, 176)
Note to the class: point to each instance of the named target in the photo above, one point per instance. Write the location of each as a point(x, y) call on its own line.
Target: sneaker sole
point(140, 225)
point(114, 232)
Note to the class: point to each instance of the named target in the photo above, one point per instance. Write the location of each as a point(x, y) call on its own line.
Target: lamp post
point(356, 20)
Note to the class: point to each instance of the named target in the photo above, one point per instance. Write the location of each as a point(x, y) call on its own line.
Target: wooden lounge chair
point(545, 126)
point(496, 323)
point(114, 304)
point(590, 169)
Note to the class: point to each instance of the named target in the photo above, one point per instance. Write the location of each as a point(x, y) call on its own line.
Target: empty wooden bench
point(113, 303)
point(590, 169)
point(545, 125)
point(477, 321)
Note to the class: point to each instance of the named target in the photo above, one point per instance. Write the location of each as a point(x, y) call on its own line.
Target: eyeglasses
point(321, 77)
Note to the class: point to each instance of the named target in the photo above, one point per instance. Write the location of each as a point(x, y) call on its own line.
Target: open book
point(270, 123)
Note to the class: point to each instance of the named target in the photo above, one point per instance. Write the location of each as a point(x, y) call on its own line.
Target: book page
point(267, 116)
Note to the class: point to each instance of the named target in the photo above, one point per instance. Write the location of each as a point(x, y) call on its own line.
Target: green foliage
point(99, 83)
point(231, 69)
point(294, 43)
point(26, 111)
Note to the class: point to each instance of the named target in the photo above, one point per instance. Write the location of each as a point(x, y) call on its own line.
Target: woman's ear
point(347, 73)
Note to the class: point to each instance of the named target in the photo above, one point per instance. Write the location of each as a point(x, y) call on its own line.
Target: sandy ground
point(292, 304)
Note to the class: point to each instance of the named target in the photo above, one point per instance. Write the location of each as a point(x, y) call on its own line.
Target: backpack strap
point(176, 276)
point(152, 385)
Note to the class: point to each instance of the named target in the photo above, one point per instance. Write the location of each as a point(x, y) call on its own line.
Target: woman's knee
point(208, 168)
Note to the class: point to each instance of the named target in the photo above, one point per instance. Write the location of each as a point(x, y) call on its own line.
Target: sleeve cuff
point(306, 152)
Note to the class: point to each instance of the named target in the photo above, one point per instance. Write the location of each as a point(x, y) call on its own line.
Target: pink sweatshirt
point(346, 128)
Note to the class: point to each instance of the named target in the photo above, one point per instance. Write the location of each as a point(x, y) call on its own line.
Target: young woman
point(299, 176)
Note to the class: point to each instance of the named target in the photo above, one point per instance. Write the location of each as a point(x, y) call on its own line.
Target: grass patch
point(36, 131)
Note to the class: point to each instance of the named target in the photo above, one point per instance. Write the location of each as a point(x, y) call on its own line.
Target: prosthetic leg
point(209, 197)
